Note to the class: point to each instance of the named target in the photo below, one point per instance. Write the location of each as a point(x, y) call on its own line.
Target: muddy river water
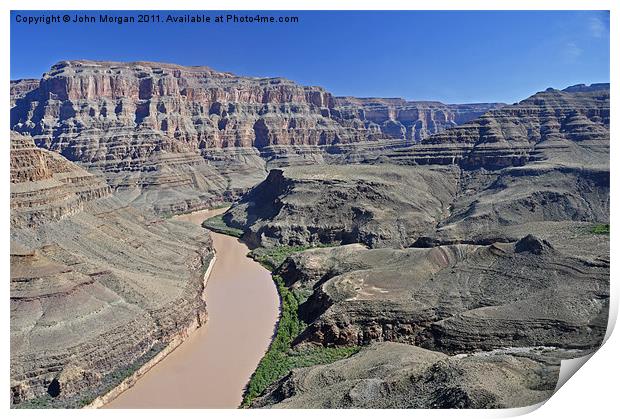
point(211, 368)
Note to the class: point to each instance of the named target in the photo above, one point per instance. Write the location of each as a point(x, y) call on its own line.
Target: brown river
point(211, 368)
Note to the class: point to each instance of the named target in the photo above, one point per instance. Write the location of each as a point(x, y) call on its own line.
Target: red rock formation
point(398, 118)
point(191, 108)
point(183, 133)
point(185, 108)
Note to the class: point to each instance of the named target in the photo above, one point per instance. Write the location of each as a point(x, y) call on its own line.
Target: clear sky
point(450, 56)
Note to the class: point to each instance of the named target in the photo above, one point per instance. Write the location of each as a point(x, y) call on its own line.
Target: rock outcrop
point(185, 108)
point(97, 286)
point(511, 263)
point(393, 375)
point(478, 193)
point(19, 88)
point(510, 203)
point(380, 206)
point(47, 187)
point(495, 322)
point(409, 120)
point(455, 298)
point(386, 205)
point(203, 108)
point(587, 88)
point(560, 126)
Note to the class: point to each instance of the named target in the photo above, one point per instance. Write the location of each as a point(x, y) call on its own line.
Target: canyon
point(543, 159)
point(489, 253)
point(459, 252)
point(243, 309)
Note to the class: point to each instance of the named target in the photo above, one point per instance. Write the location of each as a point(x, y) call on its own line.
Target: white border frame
point(591, 392)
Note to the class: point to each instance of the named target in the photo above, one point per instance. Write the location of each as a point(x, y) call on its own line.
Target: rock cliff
point(453, 298)
point(19, 88)
point(409, 120)
point(47, 187)
point(379, 205)
point(203, 108)
point(545, 159)
point(164, 132)
point(568, 126)
point(97, 286)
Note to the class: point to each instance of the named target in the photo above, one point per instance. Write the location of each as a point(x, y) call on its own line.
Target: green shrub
point(600, 229)
point(273, 257)
point(320, 355)
point(274, 364)
point(218, 225)
point(280, 359)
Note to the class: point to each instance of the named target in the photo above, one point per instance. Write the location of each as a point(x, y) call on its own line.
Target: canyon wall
point(47, 187)
point(202, 108)
point(98, 287)
point(20, 87)
point(178, 138)
point(409, 120)
point(561, 126)
point(544, 159)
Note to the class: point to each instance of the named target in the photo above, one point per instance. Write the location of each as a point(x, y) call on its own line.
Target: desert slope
point(97, 286)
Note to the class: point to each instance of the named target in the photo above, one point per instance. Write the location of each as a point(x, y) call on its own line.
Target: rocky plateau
point(392, 375)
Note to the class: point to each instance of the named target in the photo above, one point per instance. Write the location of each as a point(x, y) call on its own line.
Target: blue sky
point(450, 56)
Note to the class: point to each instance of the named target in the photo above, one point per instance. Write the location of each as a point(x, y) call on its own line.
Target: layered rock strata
point(511, 272)
point(455, 298)
point(45, 186)
point(479, 235)
point(563, 176)
point(204, 108)
point(507, 204)
point(19, 88)
point(123, 285)
point(385, 205)
point(165, 131)
point(97, 286)
point(409, 120)
point(568, 126)
point(497, 319)
point(380, 206)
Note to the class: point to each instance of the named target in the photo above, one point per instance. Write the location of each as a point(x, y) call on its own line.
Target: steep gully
point(211, 368)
